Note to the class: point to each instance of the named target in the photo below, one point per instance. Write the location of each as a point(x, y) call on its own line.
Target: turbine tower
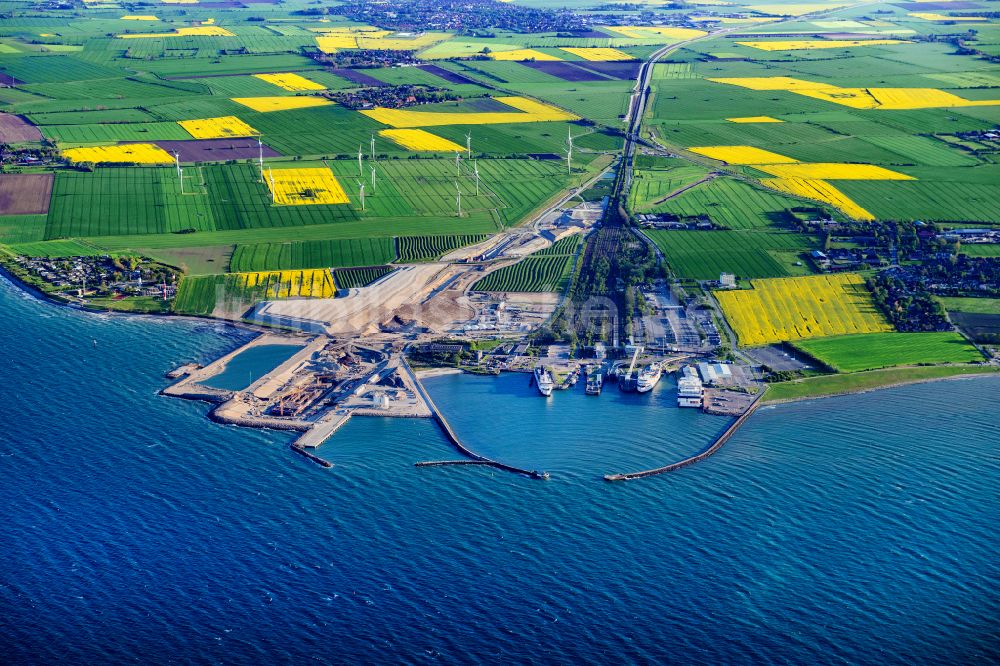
point(360, 153)
point(260, 156)
point(468, 143)
point(180, 171)
point(270, 177)
point(459, 199)
point(361, 191)
point(458, 164)
point(475, 166)
point(373, 180)
point(373, 146)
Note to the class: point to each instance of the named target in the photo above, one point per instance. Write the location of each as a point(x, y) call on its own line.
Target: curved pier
point(475, 458)
point(716, 445)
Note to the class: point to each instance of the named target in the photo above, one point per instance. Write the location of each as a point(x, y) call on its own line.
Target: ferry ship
point(649, 377)
point(543, 380)
point(689, 388)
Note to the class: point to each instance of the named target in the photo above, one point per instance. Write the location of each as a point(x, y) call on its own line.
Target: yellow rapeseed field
point(531, 112)
point(305, 186)
point(834, 171)
point(332, 43)
point(400, 42)
point(139, 153)
point(313, 283)
point(797, 9)
point(290, 81)
point(418, 139)
point(654, 32)
point(755, 119)
point(598, 54)
point(729, 20)
point(132, 17)
point(742, 155)
point(198, 31)
point(819, 190)
point(810, 44)
point(859, 98)
point(523, 54)
point(782, 309)
point(267, 104)
point(930, 16)
point(222, 127)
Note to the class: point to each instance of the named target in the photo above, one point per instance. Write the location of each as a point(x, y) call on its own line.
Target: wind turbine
point(270, 177)
point(468, 143)
point(459, 199)
point(458, 165)
point(360, 170)
point(373, 180)
point(180, 171)
point(361, 191)
point(260, 156)
point(569, 152)
point(373, 146)
point(475, 166)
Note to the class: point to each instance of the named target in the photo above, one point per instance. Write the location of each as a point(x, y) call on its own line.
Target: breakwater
point(716, 445)
point(474, 457)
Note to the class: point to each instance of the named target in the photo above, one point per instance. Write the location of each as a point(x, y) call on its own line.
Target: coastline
point(44, 297)
point(437, 372)
point(872, 389)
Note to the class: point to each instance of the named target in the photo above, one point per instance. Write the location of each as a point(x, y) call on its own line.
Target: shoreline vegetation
point(827, 386)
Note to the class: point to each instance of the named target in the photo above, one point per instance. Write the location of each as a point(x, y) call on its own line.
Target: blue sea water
point(250, 365)
point(849, 530)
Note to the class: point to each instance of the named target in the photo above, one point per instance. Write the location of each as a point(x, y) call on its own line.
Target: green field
point(546, 270)
point(703, 255)
point(989, 306)
point(827, 385)
point(427, 248)
point(313, 254)
point(349, 278)
point(853, 353)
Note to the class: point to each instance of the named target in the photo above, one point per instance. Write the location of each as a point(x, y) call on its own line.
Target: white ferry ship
point(689, 388)
point(543, 380)
point(649, 378)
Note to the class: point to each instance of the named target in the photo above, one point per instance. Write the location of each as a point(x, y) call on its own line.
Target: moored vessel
point(648, 378)
point(543, 380)
point(689, 388)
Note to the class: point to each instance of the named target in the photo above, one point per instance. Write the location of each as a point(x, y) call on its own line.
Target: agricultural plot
point(873, 351)
point(703, 255)
point(653, 184)
point(234, 293)
point(132, 153)
point(532, 274)
point(788, 309)
point(21, 228)
point(25, 193)
point(729, 203)
point(351, 278)
point(528, 111)
point(421, 140)
point(15, 129)
point(305, 187)
point(412, 249)
point(217, 128)
point(313, 254)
